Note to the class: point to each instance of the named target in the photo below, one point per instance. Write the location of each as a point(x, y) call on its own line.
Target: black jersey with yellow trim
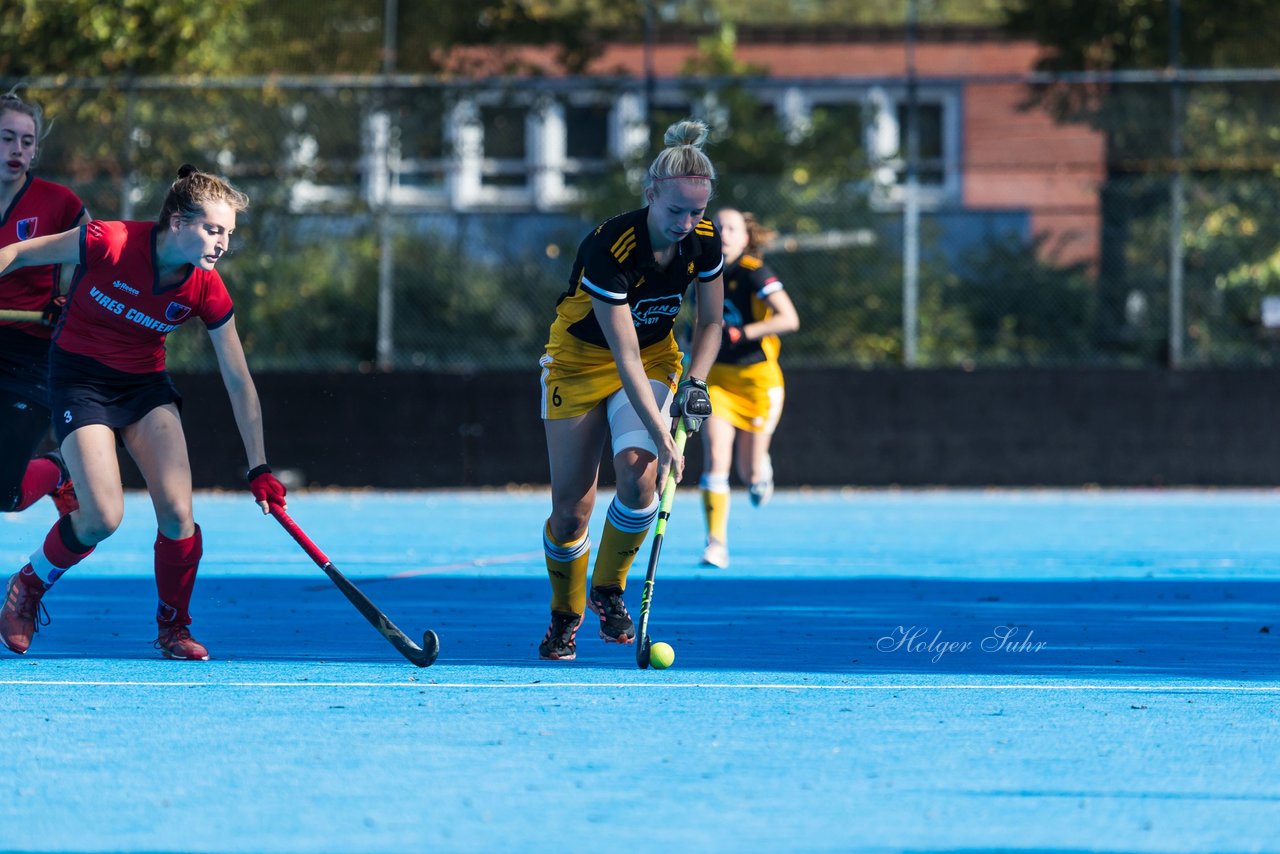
point(615, 264)
point(747, 283)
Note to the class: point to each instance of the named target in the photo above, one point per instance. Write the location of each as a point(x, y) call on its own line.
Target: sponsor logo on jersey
point(111, 305)
point(143, 319)
point(650, 311)
point(119, 285)
point(176, 312)
point(27, 227)
point(690, 268)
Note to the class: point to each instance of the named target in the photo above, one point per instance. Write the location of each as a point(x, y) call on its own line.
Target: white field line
point(706, 686)
point(468, 564)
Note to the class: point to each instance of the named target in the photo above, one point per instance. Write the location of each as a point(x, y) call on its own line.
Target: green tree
point(83, 38)
point(1229, 158)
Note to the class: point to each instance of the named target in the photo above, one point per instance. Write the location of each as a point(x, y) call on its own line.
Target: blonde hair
point(193, 190)
point(683, 157)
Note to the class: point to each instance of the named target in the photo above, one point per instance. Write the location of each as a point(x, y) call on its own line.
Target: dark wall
point(868, 428)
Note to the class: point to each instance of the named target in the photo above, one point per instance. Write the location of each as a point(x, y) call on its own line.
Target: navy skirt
point(84, 391)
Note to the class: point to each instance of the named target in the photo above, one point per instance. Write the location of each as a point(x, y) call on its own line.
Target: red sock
point(41, 478)
point(176, 562)
point(61, 551)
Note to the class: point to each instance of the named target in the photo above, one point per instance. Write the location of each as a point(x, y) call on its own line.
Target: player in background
point(611, 366)
point(136, 283)
point(745, 383)
point(29, 207)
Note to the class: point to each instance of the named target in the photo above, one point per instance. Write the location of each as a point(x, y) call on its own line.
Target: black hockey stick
point(423, 656)
point(664, 513)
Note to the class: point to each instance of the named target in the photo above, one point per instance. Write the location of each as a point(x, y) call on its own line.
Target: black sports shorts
point(84, 391)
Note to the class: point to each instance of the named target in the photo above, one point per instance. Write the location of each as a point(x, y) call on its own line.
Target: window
point(419, 156)
point(931, 168)
point(505, 147)
point(938, 169)
point(586, 130)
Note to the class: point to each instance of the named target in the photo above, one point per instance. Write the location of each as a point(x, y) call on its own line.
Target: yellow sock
point(624, 532)
point(567, 569)
point(715, 506)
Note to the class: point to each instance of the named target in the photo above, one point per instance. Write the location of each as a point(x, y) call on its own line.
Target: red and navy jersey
point(118, 313)
point(40, 209)
point(615, 264)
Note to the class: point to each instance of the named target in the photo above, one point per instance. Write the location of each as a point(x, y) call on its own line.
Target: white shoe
point(760, 492)
point(716, 554)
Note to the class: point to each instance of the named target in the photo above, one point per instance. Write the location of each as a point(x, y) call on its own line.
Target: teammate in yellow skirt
point(610, 368)
point(745, 383)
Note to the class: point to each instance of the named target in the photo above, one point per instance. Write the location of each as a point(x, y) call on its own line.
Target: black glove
point(52, 311)
point(692, 403)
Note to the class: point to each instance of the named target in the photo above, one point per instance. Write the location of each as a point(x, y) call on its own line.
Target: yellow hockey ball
point(661, 655)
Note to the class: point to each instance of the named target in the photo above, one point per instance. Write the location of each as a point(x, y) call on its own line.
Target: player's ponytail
point(758, 234)
point(193, 190)
point(683, 158)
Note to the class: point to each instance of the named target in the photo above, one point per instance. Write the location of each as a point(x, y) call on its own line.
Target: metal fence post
point(1177, 192)
point(130, 149)
point(911, 206)
point(381, 161)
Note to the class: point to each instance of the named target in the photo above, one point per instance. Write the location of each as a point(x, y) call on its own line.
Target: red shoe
point(176, 642)
point(22, 614)
point(64, 494)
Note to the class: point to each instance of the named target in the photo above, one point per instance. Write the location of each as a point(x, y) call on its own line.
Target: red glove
point(265, 487)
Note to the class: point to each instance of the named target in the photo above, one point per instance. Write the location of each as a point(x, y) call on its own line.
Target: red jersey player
point(136, 283)
point(29, 208)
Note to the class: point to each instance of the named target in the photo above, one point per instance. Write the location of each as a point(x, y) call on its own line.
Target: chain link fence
point(405, 223)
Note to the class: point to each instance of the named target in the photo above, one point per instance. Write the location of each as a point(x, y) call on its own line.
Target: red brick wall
point(1013, 158)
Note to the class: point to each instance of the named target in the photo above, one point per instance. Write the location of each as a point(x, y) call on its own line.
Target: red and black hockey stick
point(423, 656)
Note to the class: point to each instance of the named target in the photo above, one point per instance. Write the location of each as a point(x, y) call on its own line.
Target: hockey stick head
point(430, 650)
point(642, 652)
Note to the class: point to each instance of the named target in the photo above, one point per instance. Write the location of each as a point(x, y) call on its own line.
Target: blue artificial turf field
point(877, 671)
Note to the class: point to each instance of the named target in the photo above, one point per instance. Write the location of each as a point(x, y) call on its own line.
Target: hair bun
point(186, 170)
point(688, 132)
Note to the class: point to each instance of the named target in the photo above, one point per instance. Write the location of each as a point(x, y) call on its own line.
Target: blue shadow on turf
point(1196, 629)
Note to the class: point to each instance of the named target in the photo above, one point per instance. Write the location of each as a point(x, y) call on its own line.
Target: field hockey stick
point(664, 513)
point(423, 656)
point(13, 314)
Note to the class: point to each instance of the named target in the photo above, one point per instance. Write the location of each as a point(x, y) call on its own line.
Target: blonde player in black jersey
point(610, 368)
point(745, 382)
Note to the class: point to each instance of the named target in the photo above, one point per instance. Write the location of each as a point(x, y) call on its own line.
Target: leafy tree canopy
point(1126, 34)
point(127, 37)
